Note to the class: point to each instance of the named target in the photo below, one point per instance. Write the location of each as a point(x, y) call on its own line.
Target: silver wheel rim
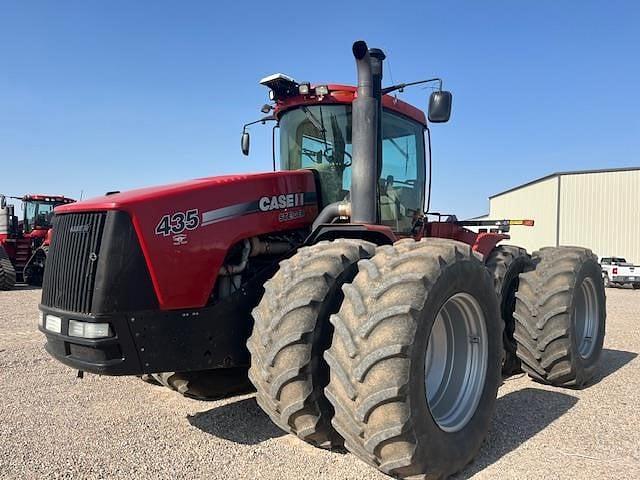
point(456, 362)
point(585, 318)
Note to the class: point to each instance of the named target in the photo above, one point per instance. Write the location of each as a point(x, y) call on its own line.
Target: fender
point(378, 234)
point(482, 243)
point(486, 242)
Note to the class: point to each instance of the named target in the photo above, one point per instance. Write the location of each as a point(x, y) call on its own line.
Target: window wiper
point(318, 124)
point(312, 118)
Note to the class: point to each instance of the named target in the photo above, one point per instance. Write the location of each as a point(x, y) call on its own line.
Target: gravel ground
point(53, 425)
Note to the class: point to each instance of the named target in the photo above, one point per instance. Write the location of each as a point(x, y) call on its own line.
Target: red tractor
point(359, 321)
point(24, 243)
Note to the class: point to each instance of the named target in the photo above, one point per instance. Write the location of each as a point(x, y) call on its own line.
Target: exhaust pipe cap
point(360, 49)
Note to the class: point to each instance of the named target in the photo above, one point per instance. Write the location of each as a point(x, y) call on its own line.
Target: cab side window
point(403, 173)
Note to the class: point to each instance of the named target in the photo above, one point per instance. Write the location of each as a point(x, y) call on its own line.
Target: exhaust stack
point(365, 134)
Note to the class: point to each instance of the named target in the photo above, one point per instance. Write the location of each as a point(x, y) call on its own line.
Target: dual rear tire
point(505, 264)
point(560, 316)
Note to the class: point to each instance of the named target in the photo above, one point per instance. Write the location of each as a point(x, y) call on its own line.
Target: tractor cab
point(315, 125)
point(318, 137)
point(24, 242)
point(38, 211)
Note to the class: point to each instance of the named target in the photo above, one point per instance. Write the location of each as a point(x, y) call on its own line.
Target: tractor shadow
point(522, 414)
point(519, 416)
point(610, 362)
point(242, 422)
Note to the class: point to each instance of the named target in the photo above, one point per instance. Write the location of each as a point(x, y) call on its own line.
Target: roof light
point(322, 90)
point(304, 87)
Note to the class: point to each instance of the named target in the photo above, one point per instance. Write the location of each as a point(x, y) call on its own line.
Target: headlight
point(88, 330)
point(53, 323)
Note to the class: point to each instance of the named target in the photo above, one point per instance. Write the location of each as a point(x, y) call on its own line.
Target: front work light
point(88, 330)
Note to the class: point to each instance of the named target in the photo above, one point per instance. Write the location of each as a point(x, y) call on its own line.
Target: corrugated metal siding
point(538, 202)
point(601, 211)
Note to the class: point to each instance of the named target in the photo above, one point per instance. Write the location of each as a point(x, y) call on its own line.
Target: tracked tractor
point(24, 243)
point(360, 319)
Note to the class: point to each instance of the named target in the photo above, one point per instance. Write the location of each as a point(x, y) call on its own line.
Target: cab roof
point(345, 94)
point(37, 197)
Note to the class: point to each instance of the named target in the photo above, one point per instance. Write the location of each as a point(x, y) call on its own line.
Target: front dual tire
point(291, 332)
point(416, 359)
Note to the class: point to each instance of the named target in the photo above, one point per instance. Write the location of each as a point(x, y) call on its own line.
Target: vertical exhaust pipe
point(365, 135)
point(377, 57)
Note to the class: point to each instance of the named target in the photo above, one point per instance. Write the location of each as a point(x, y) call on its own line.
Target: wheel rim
point(585, 318)
point(456, 362)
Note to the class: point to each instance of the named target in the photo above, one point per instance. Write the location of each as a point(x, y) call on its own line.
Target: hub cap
point(456, 362)
point(585, 318)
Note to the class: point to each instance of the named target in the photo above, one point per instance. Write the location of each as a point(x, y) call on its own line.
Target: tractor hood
point(190, 226)
point(219, 187)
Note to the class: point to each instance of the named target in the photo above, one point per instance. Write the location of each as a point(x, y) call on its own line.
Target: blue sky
point(99, 96)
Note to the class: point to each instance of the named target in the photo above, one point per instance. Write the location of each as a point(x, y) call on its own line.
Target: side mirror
point(3, 202)
point(244, 143)
point(440, 106)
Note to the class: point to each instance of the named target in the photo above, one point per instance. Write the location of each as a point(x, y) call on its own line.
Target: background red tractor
point(361, 319)
point(24, 242)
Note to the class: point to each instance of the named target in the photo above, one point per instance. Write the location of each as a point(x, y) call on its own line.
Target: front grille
point(72, 260)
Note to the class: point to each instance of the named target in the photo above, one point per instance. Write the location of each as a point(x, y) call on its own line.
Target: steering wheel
point(316, 157)
point(313, 155)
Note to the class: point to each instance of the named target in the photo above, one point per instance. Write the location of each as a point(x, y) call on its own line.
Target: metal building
point(598, 209)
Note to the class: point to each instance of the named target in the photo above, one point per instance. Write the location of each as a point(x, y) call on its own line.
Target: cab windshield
point(38, 215)
point(318, 137)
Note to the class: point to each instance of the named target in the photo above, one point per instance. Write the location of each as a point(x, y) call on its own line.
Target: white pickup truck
point(616, 272)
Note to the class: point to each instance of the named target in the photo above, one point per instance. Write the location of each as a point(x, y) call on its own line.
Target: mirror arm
point(402, 86)
point(268, 118)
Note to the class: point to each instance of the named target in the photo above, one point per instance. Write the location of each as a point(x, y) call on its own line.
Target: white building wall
point(601, 211)
point(537, 201)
